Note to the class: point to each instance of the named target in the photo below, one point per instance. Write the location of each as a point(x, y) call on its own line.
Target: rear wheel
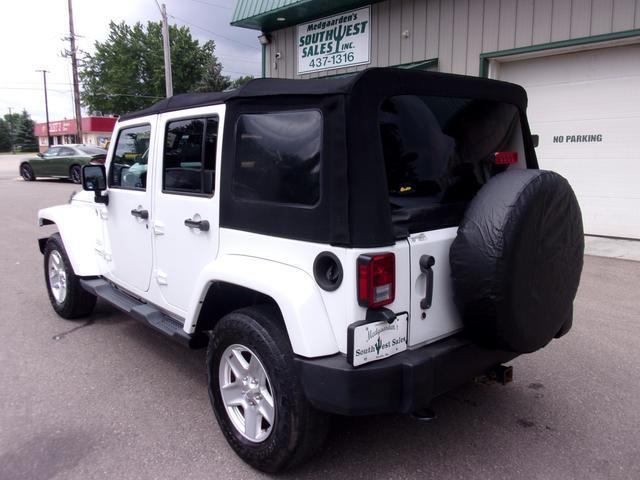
point(256, 395)
point(67, 297)
point(75, 174)
point(26, 172)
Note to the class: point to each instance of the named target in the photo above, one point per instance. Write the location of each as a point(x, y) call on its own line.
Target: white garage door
point(585, 106)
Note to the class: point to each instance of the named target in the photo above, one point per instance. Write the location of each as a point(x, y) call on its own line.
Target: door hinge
point(161, 278)
point(158, 228)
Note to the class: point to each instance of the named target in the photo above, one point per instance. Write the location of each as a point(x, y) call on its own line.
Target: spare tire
point(517, 259)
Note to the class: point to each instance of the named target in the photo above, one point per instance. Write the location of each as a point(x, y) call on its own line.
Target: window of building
point(129, 163)
point(190, 156)
point(278, 157)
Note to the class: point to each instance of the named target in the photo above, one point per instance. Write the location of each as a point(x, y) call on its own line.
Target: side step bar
point(144, 312)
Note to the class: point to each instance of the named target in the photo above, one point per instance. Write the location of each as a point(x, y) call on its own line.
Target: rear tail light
point(505, 158)
point(98, 160)
point(376, 279)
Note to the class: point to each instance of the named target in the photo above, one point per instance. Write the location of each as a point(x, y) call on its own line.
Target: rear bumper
point(403, 383)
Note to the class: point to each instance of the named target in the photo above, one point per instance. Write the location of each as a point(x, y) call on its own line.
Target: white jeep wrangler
point(348, 246)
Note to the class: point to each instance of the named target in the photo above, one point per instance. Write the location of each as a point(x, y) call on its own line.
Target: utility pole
point(46, 104)
point(74, 68)
point(11, 129)
point(168, 78)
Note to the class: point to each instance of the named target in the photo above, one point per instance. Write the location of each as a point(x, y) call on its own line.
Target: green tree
point(17, 130)
point(24, 133)
point(240, 81)
point(11, 122)
point(212, 79)
point(126, 71)
point(5, 136)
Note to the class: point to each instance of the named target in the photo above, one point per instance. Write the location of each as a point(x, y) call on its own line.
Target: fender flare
point(294, 290)
point(77, 226)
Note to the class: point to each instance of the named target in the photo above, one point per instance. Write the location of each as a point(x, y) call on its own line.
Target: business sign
point(343, 40)
point(59, 127)
point(68, 127)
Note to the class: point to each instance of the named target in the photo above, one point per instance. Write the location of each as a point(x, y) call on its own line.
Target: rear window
point(93, 150)
point(278, 157)
point(439, 151)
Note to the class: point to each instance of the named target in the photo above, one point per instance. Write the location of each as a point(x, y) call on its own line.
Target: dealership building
point(95, 131)
point(579, 61)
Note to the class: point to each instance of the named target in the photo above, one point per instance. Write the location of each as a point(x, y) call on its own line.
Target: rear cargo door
point(432, 313)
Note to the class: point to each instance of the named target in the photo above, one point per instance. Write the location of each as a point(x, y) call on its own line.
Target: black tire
point(517, 259)
point(75, 173)
point(26, 172)
point(77, 302)
point(299, 430)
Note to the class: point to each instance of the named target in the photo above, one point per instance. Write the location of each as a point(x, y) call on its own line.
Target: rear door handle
point(426, 262)
point(139, 213)
point(202, 225)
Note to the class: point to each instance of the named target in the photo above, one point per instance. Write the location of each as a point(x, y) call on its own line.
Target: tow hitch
point(501, 374)
point(424, 414)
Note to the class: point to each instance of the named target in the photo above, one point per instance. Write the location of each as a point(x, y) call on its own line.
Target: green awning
point(269, 15)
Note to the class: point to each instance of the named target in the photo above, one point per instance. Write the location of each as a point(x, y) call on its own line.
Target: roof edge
point(293, 14)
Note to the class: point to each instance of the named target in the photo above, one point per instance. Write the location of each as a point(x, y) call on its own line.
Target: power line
point(107, 94)
point(237, 59)
point(213, 33)
point(104, 94)
point(212, 4)
point(237, 73)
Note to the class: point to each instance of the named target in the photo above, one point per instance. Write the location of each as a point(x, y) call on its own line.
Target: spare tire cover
point(517, 259)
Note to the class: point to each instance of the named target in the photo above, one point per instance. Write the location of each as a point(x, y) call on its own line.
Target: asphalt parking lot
point(109, 398)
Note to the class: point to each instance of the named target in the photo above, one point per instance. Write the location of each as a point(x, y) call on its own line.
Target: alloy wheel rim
point(26, 174)
point(75, 175)
point(247, 393)
point(57, 277)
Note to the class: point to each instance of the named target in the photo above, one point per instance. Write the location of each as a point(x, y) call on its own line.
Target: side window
point(129, 163)
point(278, 157)
point(52, 152)
point(190, 156)
point(66, 152)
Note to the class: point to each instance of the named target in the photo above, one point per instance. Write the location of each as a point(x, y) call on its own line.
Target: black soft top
point(353, 209)
point(393, 81)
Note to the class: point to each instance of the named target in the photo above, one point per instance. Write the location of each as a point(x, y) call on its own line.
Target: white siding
point(457, 31)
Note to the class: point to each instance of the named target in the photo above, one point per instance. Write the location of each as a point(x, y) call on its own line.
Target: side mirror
point(94, 179)
point(536, 140)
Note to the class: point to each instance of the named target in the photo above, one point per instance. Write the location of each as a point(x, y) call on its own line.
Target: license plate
point(368, 342)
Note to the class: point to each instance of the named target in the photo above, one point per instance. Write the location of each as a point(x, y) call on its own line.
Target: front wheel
point(75, 174)
point(26, 172)
point(67, 296)
point(256, 395)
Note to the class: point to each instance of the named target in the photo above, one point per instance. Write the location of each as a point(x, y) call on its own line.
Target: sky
point(32, 32)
